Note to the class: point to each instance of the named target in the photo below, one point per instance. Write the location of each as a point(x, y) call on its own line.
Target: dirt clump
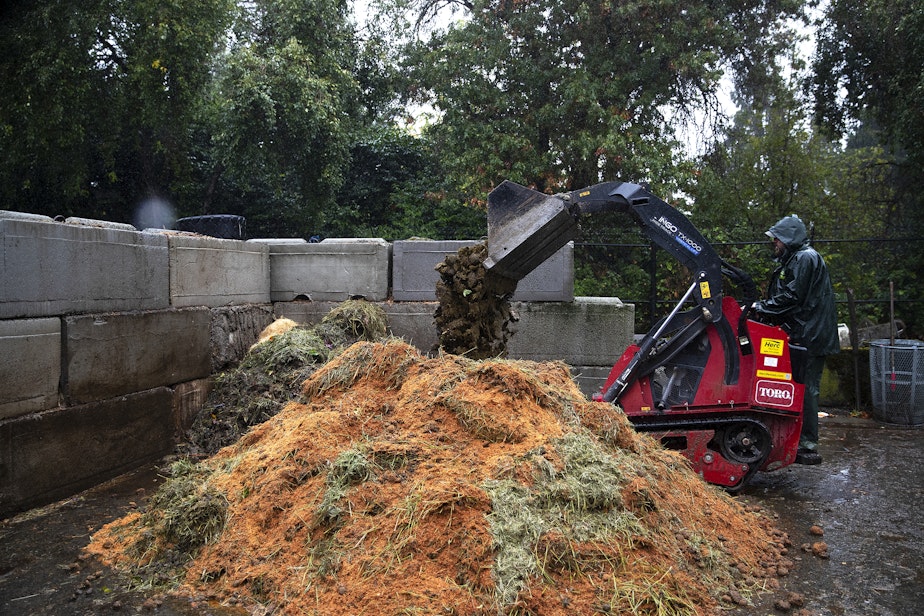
point(401, 483)
point(474, 317)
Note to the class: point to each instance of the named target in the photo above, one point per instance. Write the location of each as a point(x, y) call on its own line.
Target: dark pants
point(813, 369)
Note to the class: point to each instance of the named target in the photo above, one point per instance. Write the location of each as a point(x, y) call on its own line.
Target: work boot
point(804, 455)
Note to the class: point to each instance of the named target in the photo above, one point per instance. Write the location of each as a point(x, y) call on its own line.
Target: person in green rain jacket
point(800, 299)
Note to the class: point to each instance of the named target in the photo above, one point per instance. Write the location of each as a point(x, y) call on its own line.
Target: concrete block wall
point(415, 275)
point(331, 270)
point(52, 268)
point(109, 335)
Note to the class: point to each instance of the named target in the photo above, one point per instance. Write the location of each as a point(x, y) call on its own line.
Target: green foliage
point(99, 100)
point(280, 135)
point(215, 106)
point(868, 80)
point(559, 94)
point(773, 163)
point(395, 191)
point(870, 66)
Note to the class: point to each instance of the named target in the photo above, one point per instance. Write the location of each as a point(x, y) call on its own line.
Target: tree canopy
point(560, 94)
point(99, 99)
point(306, 120)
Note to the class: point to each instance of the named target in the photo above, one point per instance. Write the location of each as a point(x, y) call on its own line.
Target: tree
point(868, 84)
point(99, 100)
point(393, 191)
point(773, 162)
point(869, 66)
point(559, 94)
point(216, 106)
point(281, 111)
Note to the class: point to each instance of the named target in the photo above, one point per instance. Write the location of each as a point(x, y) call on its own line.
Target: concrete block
point(208, 271)
point(413, 321)
point(89, 222)
point(590, 331)
point(552, 281)
point(48, 456)
point(303, 312)
point(233, 330)
point(108, 355)
point(25, 216)
point(331, 270)
point(30, 365)
point(188, 400)
point(414, 274)
point(51, 268)
point(414, 262)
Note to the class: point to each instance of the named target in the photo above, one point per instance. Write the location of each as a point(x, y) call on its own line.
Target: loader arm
point(525, 227)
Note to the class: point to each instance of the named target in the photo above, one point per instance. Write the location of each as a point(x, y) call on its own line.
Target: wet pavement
point(866, 497)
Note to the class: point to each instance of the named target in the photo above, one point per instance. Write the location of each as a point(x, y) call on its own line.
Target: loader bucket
point(525, 227)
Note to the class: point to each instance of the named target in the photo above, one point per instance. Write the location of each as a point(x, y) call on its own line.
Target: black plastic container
point(225, 226)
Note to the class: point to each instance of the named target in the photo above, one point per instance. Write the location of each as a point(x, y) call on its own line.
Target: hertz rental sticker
point(774, 394)
point(771, 346)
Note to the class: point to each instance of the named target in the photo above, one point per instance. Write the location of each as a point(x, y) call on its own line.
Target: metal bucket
point(525, 227)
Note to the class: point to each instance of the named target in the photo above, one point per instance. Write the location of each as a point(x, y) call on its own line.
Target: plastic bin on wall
point(225, 226)
point(896, 372)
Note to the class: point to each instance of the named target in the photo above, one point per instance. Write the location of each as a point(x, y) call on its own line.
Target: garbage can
point(896, 373)
point(225, 226)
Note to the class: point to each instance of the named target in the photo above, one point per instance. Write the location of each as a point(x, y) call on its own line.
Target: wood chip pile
point(397, 483)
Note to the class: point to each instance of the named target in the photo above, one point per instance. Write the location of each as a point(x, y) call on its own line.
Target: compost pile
point(401, 483)
point(474, 317)
point(272, 372)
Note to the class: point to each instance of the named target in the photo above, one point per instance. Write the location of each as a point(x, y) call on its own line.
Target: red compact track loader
point(723, 389)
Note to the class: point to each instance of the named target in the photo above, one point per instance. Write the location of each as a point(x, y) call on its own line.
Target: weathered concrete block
point(188, 400)
point(233, 331)
point(303, 312)
point(109, 355)
point(207, 271)
point(590, 331)
point(414, 274)
point(331, 270)
point(89, 222)
point(48, 456)
point(552, 281)
point(30, 365)
point(8, 214)
point(52, 268)
point(413, 321)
